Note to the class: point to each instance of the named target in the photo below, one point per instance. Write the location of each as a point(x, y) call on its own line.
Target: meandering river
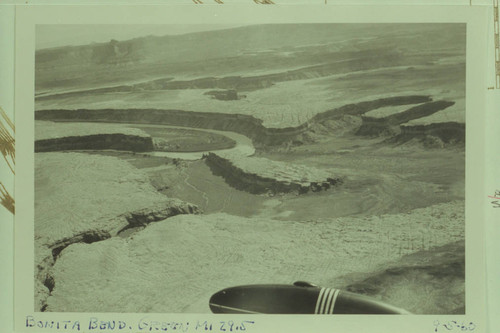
point(243, 147)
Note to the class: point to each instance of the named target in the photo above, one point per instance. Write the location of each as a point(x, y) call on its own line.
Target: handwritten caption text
point(143, 325)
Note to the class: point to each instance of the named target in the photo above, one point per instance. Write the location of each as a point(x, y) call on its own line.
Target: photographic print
point(289, 168)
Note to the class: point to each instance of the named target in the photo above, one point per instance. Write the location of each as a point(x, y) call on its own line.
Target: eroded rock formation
point(99, 141)
point(259, 175)
point(83, 199)
point(390, 125)
point(243, 124)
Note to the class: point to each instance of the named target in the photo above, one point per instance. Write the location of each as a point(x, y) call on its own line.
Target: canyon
point(163, 175)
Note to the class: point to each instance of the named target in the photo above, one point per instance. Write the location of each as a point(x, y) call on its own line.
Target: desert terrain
point(168, 168)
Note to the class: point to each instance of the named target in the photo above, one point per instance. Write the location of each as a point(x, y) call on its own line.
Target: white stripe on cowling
point(333, 301)
point(318, 301)
point(323, 301)
point(329, 301)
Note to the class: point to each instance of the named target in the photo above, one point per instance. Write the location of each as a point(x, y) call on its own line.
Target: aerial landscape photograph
point(269, 168)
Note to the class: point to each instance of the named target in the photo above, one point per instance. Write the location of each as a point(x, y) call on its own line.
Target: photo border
point(476, 19)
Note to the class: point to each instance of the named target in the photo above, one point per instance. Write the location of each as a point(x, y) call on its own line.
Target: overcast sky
point(63, 34)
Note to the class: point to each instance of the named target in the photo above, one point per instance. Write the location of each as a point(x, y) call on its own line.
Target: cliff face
point(224, 95)
point(260, 183)
point(243, 124)
point(100, 141)
point(392, 125)
point(448, 133)
point(246, 125)
point(358, 109)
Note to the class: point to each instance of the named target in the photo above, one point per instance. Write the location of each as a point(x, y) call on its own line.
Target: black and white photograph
point(298, 168)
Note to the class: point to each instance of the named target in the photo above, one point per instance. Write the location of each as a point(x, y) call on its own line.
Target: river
point(243, 147)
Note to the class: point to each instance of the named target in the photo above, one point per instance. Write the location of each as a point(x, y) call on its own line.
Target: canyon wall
point(100, 141)
point(358, 109)
point(393, 125)
point(243, 124)
point(448, 132)
point(246, 125)
point(255, 183)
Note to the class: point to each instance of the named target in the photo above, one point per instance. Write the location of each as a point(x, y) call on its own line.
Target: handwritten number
point(243, 327)
point(451, 325)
